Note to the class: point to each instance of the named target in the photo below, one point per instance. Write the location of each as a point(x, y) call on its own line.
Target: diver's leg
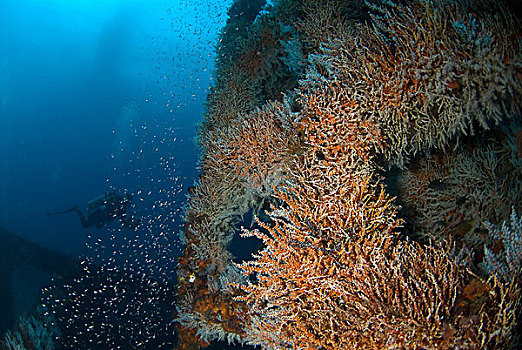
point(83, 220)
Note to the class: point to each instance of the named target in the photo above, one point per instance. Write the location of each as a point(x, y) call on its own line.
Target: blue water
point(84, 87)
point(99, 95)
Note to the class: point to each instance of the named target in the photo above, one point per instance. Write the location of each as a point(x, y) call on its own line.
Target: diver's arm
point(130, 221)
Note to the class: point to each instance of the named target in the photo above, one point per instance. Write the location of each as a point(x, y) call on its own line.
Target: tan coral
point(430, 72)
point(337, 270)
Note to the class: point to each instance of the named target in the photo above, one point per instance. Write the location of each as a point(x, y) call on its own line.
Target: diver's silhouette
point(104, 209)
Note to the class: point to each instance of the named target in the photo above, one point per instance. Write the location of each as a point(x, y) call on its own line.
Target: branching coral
point(232, 95)
point(302, 273)
point(340, 268)
point(241, 15)
point(505, 269)
point(333, 273)
point(327, 19)
point(430, 72)
point(507, 264)
point(33, 331)
point(260, 145)
point(450, 195)
point(205, 310)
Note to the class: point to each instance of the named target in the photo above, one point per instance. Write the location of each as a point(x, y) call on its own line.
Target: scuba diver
point(104, 209)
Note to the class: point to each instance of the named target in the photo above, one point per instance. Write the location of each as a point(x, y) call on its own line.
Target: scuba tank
point(97, 202)
point(101, 201)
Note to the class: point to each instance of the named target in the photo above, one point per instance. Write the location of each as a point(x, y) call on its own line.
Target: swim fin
point(75, 208)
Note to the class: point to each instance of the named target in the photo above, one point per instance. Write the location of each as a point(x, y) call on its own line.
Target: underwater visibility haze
point(287, 174)
point(97, 96)
point(87, 85)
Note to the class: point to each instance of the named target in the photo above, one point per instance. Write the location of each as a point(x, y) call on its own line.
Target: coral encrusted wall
point(379, 145)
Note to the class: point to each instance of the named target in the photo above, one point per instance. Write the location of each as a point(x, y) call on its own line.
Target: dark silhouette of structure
point(15, 251)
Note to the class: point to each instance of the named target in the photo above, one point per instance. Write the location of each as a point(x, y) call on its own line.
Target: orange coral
point(336, 271)
point(322, 20)
point(324, 276)
point(425, 72)
point(258, 146)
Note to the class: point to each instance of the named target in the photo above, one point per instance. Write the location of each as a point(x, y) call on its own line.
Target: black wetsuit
point(113, 206)
point(96, 218)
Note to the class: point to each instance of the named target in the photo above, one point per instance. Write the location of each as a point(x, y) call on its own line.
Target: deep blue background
point(100, 93)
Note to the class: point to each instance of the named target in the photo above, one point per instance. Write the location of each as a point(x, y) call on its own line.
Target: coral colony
point(378, 146)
